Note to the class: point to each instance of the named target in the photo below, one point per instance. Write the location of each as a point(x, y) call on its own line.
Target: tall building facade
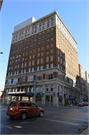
point(43, 63)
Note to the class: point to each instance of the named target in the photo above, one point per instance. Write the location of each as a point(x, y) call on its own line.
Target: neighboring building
point(1, 1)
point(87, 81)
point(43, 63)
point(83, 86)
point(1, 88)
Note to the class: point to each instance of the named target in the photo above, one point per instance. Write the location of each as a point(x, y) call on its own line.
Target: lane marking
point(18, 126)
point(62, 122)
point(24, 122)
point(72, 119)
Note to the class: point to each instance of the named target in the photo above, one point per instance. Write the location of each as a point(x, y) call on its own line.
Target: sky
point(74, 13)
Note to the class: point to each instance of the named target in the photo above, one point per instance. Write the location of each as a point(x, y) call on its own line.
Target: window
point(61, 61)
point(30, 78)
point(47, 66)
point(58, 66)
point(22, 104)
point(29, 63)
point(32, 69)
point(42, 32)
point(59, 76)
point(38, 54)
point(15, 80)
point(9, 81)
point(51, 28)
point(58, 58)
point(48, 30)
point(21, 71)
point(39, 43)
point(41, 89)
point(47, 46)
point(41, 60)
point(47, 40)
point(32, 62)
point(47, 88)
point(47, 35)
point(49, 76)
point(51, 34)
point(28, 104)
point(29, 70)
point(39, 33)
point(42, 37)
point(42, 42)
point(51, 65)
point(11, 73)
point(51, 88)
point(41, 53)
point(37, 61)
point(51, 58)
point(24, 70)
point(51, 45)
point(34, 45)
point(38, 49)
point(15, 73)
point(37, 68)
point(47, 59)
point(41, 67)
point(51, 39)
point(51, 50)
point(22, 65)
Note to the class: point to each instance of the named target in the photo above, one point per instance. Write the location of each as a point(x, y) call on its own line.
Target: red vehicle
point(81, 104)
point(24, 109)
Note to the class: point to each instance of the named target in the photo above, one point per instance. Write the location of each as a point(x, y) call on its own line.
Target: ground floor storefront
point(51, 93)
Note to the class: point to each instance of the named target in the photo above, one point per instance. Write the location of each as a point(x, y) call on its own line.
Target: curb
point(82, 130)
point(3, 109)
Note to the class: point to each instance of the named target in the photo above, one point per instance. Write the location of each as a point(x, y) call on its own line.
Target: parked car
point(86, 103)
point(80, 104)
point(24, 109)
point(83, 103)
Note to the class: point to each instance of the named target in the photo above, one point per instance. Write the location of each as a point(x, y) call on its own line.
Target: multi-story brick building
point(43, 62)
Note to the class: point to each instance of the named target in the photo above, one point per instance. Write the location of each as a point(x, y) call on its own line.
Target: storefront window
point(37, 89)
point(41, 89)
point(47, 88)
point(51, 87)
point(38, 98)
point(31, 89)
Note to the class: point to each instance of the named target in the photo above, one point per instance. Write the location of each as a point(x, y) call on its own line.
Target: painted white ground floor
point(45, 93)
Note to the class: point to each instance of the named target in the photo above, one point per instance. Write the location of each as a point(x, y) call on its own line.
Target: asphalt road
point(56, 120)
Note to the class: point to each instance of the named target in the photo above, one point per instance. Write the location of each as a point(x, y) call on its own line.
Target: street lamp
point(1, 52)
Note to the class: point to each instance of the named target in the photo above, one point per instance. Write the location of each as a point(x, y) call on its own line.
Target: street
point(56, 120)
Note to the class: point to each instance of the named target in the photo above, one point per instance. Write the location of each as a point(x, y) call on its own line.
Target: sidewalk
point(84, 131)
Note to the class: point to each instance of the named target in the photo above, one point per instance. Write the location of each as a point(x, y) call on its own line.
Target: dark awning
point(38, 94)
point(22, 94)
point(70, 98)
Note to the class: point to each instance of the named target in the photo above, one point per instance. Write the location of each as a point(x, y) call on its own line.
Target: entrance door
point(60, 100)
point(49, 100)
